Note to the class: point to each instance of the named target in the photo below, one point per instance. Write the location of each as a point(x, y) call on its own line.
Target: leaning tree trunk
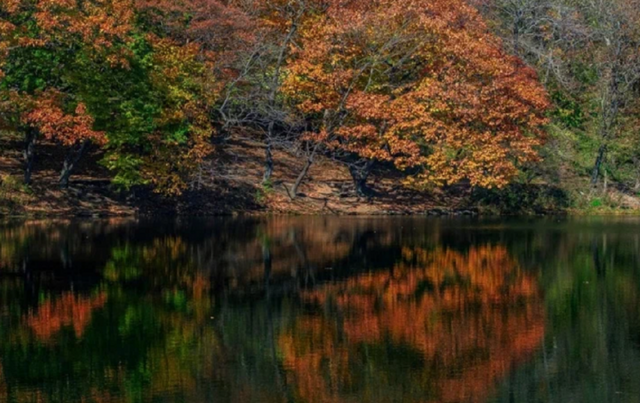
point(70, 163)
point(29, 154)
point(305, 170)
point(300, 178)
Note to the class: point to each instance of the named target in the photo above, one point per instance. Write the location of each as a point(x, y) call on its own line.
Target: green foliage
point(262, 193)
point(151, 84)
point(127, 168)
point(267, 186)
point(567, 111)
point(123, 265)
point(14, 194)
point(595, 203)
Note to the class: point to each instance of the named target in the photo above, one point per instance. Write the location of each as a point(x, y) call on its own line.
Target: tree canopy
point(426, 88)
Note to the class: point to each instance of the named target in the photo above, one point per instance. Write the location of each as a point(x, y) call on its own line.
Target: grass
point(14, 195)
point(263, 192)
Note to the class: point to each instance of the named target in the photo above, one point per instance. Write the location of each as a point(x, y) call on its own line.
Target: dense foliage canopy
point(426, 88)
point(422, 85)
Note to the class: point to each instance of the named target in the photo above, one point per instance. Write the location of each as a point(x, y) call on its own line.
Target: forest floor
point(228, 184)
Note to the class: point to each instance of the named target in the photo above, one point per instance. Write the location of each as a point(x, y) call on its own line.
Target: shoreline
point(463, 213)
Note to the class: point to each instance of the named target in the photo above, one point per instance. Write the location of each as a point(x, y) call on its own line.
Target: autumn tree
point(159, 123)
point(250, 42)
point(253, 100)
point(616, 29)
point(587, 55)
point(45, 44)
point(280, 22)
point(428, 90)
point(96, 71)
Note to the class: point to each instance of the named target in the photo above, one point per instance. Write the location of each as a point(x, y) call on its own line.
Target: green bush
point(595, 203)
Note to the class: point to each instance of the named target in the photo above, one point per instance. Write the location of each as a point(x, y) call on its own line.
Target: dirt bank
point(229, 183)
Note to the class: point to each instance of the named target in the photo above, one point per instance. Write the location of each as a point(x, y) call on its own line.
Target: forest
point(398, 105)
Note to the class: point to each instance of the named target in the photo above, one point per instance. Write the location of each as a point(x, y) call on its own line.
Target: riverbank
point(230, 184)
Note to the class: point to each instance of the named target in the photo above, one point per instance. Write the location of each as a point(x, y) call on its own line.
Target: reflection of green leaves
point(573, 290)
point(137, 382)
point(128, 321)
point(176, 299)
point(154, 338)
point(124, 265)
point(592, 298)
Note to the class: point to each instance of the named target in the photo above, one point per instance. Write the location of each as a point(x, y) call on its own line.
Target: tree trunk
point(516, 34)
point(275, 83)
point(29, 154)
point(597, 166)
point(268, 164)
point(70, 162)
point(305, 170)
point(303, 174)
point(360, 176)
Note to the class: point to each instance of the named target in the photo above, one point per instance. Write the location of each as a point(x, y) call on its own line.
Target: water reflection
point(439, 325)
point(319, 310)
point(68, 310)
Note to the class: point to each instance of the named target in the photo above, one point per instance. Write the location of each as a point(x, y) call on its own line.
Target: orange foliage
point(69, 310)
point(221, 28)
point(99, 24)
point(99, 27)
point(478, 308)
point(422, 84)
point(54, 124)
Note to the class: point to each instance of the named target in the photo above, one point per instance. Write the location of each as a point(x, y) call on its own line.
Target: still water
point(320, 309)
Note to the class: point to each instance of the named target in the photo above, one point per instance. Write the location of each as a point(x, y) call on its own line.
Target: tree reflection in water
point(318, 310)
point(68, 310)
point(460, 321)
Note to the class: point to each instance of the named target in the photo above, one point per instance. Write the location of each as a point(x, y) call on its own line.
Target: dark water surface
point(320, 310)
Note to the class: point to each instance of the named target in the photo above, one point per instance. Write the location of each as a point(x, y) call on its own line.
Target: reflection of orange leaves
point(473, 315)
point(69, 310)
point(309, 365)
point(200, 286)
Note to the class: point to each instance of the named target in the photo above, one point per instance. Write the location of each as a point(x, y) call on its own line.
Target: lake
point(320, 309)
